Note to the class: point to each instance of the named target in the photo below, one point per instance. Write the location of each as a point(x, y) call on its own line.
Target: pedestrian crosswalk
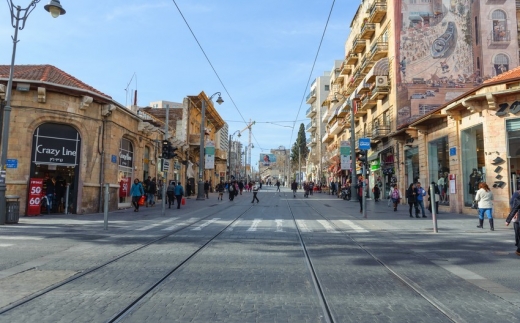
point(261, 225)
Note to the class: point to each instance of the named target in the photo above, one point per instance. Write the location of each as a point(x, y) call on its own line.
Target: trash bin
point(13, 209)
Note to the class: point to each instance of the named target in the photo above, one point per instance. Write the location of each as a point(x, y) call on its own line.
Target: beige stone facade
point(114, 143)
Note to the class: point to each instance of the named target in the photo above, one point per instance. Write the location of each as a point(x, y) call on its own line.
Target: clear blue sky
point(263, 52)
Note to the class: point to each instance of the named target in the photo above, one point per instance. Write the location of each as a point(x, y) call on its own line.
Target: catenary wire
point(312, 69)
point(213, 68)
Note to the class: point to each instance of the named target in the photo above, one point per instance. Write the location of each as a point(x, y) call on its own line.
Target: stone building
point(64, 129)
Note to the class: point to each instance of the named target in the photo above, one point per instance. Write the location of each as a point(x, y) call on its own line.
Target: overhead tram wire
point(212, 67)
point(312, 69)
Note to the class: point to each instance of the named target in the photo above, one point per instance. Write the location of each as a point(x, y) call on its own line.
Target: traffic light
point(171, 152)
point(362, 156)
point(166, 145)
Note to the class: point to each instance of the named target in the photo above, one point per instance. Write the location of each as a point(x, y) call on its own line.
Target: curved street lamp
point(335, 100)
point(200, 189)
point(18, 18)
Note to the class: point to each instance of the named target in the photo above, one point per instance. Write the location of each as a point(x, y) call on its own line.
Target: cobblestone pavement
point(386, 268)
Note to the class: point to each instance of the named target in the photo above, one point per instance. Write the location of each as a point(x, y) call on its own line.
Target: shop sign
point(35, 196)
point(12, 163)
point(126, 158)
point(375, 165)
point(503, 109)
point(56, 151)
point(453, 151)
point(114, 159)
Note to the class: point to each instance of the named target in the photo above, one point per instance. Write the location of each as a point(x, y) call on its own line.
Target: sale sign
point(124, 187)
point(35, 196)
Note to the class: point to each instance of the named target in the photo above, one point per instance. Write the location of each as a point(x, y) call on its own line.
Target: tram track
point(407, 282)
point(127, 309)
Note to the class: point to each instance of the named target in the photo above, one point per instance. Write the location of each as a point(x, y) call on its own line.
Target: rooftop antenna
point(126, 89)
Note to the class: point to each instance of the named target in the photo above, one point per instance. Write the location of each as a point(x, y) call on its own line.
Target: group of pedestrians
point(175, 191)
point(414, 196)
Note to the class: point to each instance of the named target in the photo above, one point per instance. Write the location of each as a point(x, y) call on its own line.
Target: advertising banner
point(209, 155)
point(35, 196)
point(344, 150)
point(124, 187)
point(267, 159)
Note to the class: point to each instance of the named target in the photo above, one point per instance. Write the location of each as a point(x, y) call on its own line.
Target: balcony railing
point(377, 11)
point(311, 97)
point(311, 126)
point(380, 92)
point(311, 112)
point(351, 58)
point(500, 37)
point(367, 31)
point(378, 50)
point(381, 126)
point(346, 68)
point(358, 45)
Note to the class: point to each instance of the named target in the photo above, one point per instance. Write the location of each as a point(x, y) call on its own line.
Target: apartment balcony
point(351, 58)
point(377, 11)
point(339, 79)
point(379, 92)
point(346, 68)
point(381, 127)
point(345, 109)
point(311, 126)
point(359, 45)
point(367, 65)
point(338, 126)
point(311, 142)
point(311, 112)
point(311, 97)
point(220, 154)
point(367, 102)
point(367, 31)
point(499, 39)
point(365, 88)
point(359, 111)
point(327, 138)
point(379, 50)
point(194, 139)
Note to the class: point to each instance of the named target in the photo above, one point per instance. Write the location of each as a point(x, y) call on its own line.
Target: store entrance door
point(63, 179)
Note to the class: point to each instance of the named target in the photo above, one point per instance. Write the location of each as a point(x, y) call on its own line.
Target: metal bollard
point(105, 206)
point(434, 209)
point(66, 211)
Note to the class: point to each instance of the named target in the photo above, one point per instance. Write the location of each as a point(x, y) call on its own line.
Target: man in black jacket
point(294, 187)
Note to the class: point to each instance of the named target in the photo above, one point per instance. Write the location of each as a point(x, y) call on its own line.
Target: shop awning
point(424, 121)
point(374, 156)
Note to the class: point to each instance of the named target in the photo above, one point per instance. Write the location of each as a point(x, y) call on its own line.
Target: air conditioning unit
point(381, 80)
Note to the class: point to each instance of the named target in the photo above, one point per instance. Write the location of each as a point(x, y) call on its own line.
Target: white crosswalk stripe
point(5, 245)
point(151, 226)
point(302, 225)
point(354, 226)
point(254, 225)
point(20, 238)
point(205, 224)
point(327, 226)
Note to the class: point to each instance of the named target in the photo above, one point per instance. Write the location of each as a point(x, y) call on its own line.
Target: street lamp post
point(18, 15)
point(200, 189)
point(353, 197)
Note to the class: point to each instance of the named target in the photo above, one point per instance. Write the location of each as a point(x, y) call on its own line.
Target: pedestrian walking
point(150, 192)
point(294, 187)
point(377, 192)
point(359, 191)
point(421, 193)
point(484, 197)
point(170, 193)
point(231, 190)
point(179, 192)
point(278, 186)
point(514, 217)
point(389, 197)
point(136, 191)
point(50, 192)
point(396, 197)
point(220, 190)
point(305, 189)
point(255, 192)
point(411, 198)
point(241, 187)
point(206, 189)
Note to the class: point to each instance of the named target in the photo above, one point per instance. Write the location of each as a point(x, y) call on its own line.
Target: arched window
point(501, 63)
point(500, 32)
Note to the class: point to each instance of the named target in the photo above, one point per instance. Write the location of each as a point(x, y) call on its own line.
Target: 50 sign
point(35, 196)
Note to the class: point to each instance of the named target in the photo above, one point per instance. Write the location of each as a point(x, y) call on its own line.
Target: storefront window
point(474, 171)
point(412, 165)
point(439, 167)
point(126, 162)
point(513, 136)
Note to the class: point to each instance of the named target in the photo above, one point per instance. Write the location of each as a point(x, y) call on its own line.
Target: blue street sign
point(114, 159)
point(12, 163)
point(364, 143)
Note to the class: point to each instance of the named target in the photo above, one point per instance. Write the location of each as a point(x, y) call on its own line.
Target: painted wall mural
point(446, 47)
